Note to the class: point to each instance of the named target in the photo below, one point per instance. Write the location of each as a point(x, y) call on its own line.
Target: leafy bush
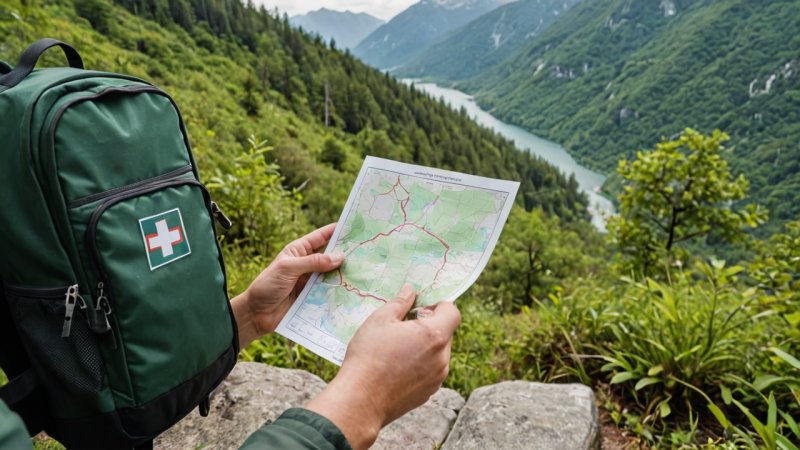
point(678, 192)
point(678, 340)
point(265, 216)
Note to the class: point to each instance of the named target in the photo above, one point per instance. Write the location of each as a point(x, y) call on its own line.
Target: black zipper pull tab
point(70, 300)
point(104, 307)
point(220, 216)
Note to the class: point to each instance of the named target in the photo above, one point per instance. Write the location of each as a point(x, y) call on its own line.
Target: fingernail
point(406, 290)
point(424, 312)
point(336, 257)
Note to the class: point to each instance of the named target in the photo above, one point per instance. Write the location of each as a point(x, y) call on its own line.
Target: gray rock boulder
point(424, 428)
point(525, 415)
point(256, 394)
point(253, 394)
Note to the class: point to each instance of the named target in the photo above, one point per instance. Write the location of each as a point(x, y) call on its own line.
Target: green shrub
point(265, 216)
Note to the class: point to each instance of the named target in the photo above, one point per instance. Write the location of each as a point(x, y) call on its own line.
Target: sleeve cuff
point(299, 428)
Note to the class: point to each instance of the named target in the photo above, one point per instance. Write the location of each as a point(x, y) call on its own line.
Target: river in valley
point(589, 181)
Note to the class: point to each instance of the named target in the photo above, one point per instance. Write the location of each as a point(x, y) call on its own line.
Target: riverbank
point(590, 182)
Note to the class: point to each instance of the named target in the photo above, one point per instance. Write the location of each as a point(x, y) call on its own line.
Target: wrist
point(349, 406)
point(245, 319)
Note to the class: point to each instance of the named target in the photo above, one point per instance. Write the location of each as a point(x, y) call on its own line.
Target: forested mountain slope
point(345, 27)
point(413, 30)
point(613, 76)
point(485, 41)
point(236, 70)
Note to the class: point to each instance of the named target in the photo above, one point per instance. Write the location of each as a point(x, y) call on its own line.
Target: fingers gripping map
point(402, 223)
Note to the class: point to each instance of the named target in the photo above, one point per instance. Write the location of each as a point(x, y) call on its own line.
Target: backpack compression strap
point(31, 56)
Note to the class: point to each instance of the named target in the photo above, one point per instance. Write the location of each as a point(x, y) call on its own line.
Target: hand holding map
point(402, 223)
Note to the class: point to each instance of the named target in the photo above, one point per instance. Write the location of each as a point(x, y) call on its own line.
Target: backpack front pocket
point(160, 281)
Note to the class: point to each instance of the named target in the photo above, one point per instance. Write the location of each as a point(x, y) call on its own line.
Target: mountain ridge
point(407, 34)
point(346, 28)
point(612, 77)
point(488, 40)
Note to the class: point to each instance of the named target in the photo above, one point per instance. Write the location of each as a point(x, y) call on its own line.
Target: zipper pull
point(71, 299)
point(220, 216)
point(104, 306)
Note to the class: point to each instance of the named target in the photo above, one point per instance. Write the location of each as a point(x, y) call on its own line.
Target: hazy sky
point(383, 9)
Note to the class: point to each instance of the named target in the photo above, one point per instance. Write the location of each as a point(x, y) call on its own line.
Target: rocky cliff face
point(509, 415)
point(485, 41)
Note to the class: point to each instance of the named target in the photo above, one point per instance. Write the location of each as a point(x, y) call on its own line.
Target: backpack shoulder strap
point(4, 67)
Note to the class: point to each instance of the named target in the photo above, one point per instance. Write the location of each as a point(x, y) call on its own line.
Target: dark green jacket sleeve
point(298, 428)
point(12, 431)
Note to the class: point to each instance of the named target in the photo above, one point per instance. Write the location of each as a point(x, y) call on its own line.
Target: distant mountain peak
point(454, 4)
point(347, 28)
point(417, 28)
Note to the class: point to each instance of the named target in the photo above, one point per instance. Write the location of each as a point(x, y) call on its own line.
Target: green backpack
point(114, 317)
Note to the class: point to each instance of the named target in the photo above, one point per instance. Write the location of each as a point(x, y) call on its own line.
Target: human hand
point(391, 367)
point(260, 308)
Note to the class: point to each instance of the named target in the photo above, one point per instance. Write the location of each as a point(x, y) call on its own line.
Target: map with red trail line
point(402, 223)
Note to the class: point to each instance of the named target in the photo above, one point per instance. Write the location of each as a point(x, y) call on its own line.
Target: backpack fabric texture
point(114, 316)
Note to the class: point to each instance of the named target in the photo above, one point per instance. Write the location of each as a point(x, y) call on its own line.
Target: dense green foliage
point(611, 77)
point(704, 350)
point(484, 42)
point(229, 93)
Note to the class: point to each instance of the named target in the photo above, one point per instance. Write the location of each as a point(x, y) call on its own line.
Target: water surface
point(589, 181)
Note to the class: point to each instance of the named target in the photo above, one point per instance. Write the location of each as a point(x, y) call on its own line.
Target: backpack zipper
point(103, 304)
point(102, 195)
point(72, 298)
point(99, 319)
point(71, 295)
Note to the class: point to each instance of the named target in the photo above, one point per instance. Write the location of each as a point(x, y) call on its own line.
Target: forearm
point(345, 403)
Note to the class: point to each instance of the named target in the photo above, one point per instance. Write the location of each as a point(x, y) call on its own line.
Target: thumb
point(316, 262)
point(402, 303)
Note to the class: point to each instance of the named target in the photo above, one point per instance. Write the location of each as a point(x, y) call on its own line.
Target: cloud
point(384, 9)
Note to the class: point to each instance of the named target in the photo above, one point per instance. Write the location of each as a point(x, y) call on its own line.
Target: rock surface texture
point(508, 415)
point(253, 394)
point(525, 415)
point(256, 394)
point(424, 428)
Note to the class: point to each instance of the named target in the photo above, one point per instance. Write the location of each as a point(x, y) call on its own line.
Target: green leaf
point(733, 270)
point(764, 381)
point(622, 377)
point(719, 415)
point(772, 413)
point(608, 367)
point(655, 370)
point(791, 423)
point(764, 433)
point(726, 394)
point(688, 352)
point(784, 443)
point(664, 409)
point(786, 357)
point(646, 381)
